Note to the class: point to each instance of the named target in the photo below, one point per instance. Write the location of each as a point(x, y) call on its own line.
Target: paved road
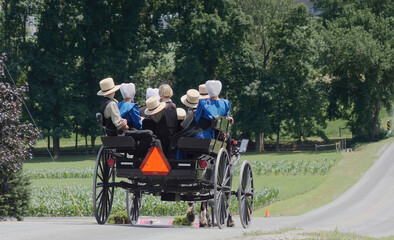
point(366, 209)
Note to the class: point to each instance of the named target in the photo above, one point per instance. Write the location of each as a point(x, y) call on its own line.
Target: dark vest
point(110, 128)
point(169, 122)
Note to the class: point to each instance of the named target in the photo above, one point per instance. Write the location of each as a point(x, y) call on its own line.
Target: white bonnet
point(127, 90)
point(150, 92)
point(213, 87)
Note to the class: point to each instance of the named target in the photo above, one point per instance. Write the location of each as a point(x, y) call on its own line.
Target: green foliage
point(16, 138)
point(118, 218)
point(208, 34)
point(358, 57)
point(181, 221)
point(57, 201)
point(14, 194)
point(60, 173)
point(291, 168)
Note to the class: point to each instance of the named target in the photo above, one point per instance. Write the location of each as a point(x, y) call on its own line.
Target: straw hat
point(203, 91)
point(191, 98)
point(107, 86)
point(127, 90)
point(181, 113)
point(213, 87)
point(153, 105)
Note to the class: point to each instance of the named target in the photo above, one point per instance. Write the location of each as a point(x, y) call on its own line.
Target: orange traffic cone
point(267, 213)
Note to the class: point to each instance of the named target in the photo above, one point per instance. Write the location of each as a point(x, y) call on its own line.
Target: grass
point(80, 161)
point(295, 155)
point(67, 142)
point(297, 194)
point(345, 173)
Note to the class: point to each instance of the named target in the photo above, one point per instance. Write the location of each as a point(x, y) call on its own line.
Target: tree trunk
point(92, 148)
point(76, 140)
point(56, 147)
point(375, 122)
point(261, 142)
point(49, 142)
point(277, 141)
point(86, 143)
point(257, 140)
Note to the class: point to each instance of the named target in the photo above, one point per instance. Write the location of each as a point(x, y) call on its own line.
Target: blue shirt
point(130, 112)
point(207, 108)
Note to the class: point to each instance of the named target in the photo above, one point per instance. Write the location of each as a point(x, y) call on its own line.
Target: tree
point(117, 37)
point(15, 39)
point(16, 141)
point(358, 58)
point(282, 57)
point(51, 75)
point(205, 36)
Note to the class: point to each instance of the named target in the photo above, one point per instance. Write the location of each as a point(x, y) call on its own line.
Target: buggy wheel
point(103, 194)
point(222, 188)
point(133, 206)
point(245, 194)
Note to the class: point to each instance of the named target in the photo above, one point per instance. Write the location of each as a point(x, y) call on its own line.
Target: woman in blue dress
point(210, 107)
point(129, 111)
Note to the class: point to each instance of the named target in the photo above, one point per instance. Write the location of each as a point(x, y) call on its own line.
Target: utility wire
point(27, 109)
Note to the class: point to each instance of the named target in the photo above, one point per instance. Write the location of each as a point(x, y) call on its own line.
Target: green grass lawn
point(289, 186)
point(346, 172)
point(61, 162)
point(292, 156)
point(297, 194)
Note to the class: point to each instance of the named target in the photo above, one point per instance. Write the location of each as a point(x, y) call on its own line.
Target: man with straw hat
point(109, 107)
point(164, 115)
point(190, 99)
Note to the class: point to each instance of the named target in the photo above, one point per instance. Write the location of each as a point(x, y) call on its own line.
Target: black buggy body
point(205, 174)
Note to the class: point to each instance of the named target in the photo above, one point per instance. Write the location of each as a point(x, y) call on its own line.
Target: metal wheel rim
point(102, 196)
point(245, 194)
point(133, 205)
point(222, 178)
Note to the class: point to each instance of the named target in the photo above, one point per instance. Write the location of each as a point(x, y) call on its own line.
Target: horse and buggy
point(204, 175)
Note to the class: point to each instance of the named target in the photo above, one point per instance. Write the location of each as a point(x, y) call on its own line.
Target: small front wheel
point(133, 206)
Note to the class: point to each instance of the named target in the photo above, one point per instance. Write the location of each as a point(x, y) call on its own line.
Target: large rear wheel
point(103, 193)
point(245, 194)
point(222, 188)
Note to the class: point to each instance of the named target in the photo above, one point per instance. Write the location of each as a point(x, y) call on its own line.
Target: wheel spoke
point(247, 210)
point(101, 193)
point(226, 179)
point(101, 178)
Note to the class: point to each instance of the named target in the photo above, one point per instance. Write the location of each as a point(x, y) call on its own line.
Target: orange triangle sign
point(155, 163)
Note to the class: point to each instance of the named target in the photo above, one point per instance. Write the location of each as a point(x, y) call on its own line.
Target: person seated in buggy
point(164, 115)
point(181, 115)
point(208, 108)
point(129, 110)
point(190, 99)
point(112, 120)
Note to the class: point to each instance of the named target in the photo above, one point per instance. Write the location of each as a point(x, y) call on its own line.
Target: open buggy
point(205, 174)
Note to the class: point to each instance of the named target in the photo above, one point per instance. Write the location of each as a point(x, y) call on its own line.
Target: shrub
point(118, 218)
point(16, 139)
point(181, 221)
point(14, 194)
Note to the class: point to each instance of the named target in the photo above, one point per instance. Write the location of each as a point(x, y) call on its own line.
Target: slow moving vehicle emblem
point(155, 163)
